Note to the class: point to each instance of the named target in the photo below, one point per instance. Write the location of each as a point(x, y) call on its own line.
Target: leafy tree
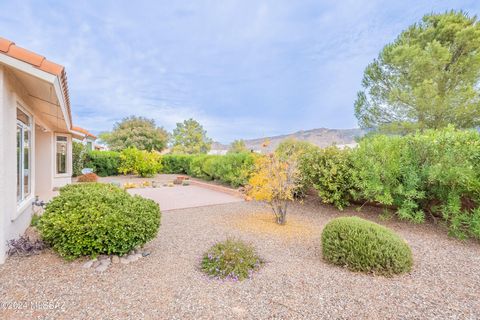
point(136, 132)
point(275, 181)
point(189, 137)
point(238, 146)
point(427, 78)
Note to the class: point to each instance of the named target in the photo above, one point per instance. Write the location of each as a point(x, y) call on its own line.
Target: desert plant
point(362, 245)
point(275, 181)
point(140, 162)
point(25, 246)
point(231, 259)
point(88, 177)
point(94, 218)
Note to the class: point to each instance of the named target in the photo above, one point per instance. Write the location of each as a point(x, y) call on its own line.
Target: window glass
point(26, 163)
point(24, 155)
point(19, 163)
point(61, 154)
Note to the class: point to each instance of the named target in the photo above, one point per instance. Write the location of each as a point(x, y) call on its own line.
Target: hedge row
point(233, 169)
point(434, 173)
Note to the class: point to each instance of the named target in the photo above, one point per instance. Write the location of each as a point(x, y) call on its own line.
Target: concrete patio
point(177, 197)
point(182, 197)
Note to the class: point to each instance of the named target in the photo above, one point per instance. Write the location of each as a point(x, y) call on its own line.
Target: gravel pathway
point(293, 284)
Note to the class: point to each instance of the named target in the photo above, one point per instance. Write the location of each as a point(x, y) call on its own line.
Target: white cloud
point(242, 68)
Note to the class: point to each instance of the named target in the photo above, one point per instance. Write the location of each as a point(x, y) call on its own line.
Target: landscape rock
point(102, 267)
point(88, 264)
point(96, 263)
point(103, 257)
point(115, 259)
point(134, 257)
point(124, 260)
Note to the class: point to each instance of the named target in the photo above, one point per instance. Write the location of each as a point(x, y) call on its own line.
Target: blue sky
point(244, 69)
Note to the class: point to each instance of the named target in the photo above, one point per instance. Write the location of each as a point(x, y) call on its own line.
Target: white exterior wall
point(43, 163)
point(15, 218)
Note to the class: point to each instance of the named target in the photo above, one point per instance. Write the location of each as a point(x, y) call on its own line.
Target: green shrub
point(79, 157)
point(176, 163)
point(365, 246)
point(234, 169)
point(103, 163)
point(231, 259)
point(435, 172)
point(93, 218)
point(141, 162)
point(330, 172)
point(294, 151)
point(196, 166)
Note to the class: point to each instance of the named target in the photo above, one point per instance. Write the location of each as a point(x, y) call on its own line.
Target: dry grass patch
point(264, 223)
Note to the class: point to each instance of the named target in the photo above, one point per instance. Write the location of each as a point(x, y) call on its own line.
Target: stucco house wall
point(14, 220)
point(37, 87)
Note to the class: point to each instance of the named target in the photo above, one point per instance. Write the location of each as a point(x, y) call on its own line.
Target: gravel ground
point(293, 284)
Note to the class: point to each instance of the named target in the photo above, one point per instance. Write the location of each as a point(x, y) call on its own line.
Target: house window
point(24, 155)
point(61, 147)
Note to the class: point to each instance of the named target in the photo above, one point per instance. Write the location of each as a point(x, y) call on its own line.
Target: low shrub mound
point(94, 218)
point(88, 177)
point(361, 245)
point(231, 259)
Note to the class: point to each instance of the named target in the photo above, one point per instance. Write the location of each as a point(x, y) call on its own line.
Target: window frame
point(24, 198)
point(67, 156)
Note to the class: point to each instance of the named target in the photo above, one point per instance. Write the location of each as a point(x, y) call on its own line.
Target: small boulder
point(88, 264)
point(102, 267)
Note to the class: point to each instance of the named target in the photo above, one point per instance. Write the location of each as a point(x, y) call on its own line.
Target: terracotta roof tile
point(25, 55)
point(10, 49)
point(51, 67)
point(84, 131)
point(5, 44)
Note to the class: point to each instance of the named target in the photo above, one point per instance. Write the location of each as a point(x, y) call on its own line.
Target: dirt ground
point(294, 283)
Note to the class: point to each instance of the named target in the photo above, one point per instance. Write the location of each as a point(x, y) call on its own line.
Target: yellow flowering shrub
point(274, 181)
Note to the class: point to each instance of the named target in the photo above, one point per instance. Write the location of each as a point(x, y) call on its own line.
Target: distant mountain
point(321, 137)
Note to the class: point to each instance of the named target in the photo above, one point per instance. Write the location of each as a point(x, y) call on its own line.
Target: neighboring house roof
point(40, 62)
point(84, 131)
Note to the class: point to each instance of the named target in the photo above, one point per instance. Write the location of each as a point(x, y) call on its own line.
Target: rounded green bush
point(231, 259)
point(94, 218)
point(362, 245)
